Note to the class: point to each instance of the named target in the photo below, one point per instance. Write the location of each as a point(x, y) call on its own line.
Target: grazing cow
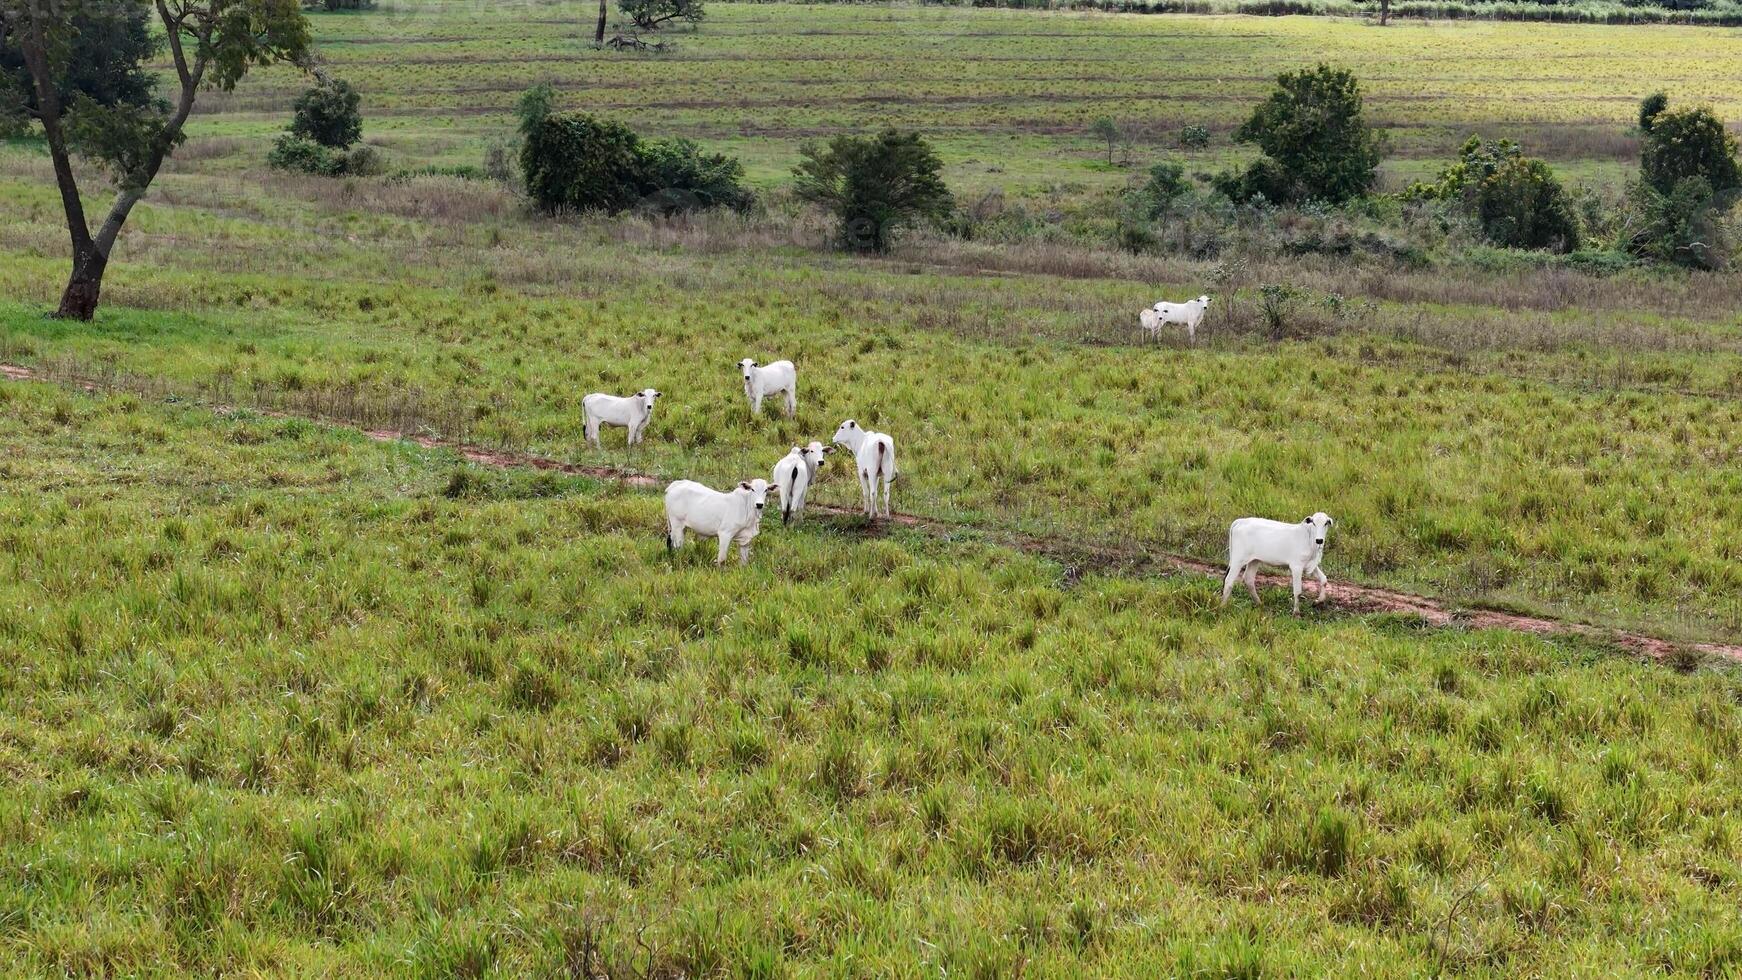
point(760, 382)
point(873, 460)
point(732, 516)
point(793, 476)
point(632, 412)
point(1187, 315)
point(1254, 541)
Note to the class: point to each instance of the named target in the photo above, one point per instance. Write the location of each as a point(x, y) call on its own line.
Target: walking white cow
point(769, 379)
point(794, 474)
point(873, 460)
point(732, 516)
point(632, 412)
point(1254, 541)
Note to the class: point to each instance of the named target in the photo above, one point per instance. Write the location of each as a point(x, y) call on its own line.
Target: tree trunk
point(1384, 12)
point(84, 286)
point(599, 34)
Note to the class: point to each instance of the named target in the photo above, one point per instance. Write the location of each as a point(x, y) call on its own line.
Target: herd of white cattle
point(735, 516)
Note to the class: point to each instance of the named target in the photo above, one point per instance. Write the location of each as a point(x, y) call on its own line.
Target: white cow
point(1254, 541)
point(873, 460)
point(632, 412)
point(732, 516)
point(794, 474)
point(760, 382)
point(1187, 315)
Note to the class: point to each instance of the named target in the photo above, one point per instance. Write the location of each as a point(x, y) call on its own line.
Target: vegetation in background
point(651, 14)
point(1316, 142)
point(874, 185)
point(1515, 200)
point(325, 127)
point(1689, 182)
point(580, 162)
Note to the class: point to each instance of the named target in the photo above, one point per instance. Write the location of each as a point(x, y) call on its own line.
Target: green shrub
point(874, 185)
point(1649, 107)
point(1687, 226)
point(1194, 137)
point(579, 162)
point(1167, 183)
point(1683, 143)
point(327, 114)
point(1316, 138)
point(683, 178)
point(301, 155)
point(1515, 200)
point(1522, 205)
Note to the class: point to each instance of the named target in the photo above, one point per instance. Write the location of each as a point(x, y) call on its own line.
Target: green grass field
point(279, 698)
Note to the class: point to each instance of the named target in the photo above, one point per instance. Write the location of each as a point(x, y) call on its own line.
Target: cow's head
point(1204, 301)
point(1321, 526)
point(758, 490)
point(745, 367)
point(848, 434)
point(646, 396)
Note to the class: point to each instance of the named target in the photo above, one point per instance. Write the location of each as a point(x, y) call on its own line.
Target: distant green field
point(276, 699)
point(1008, 94)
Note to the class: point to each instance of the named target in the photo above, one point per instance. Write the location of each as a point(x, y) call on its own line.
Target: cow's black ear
point(743, 486)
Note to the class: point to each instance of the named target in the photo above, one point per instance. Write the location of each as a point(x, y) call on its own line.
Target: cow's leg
point(1228, 583)
point(674, 536)
point(725, 547)
point(593, 431)
point(1250, 574)
point(867, 493)
point(792, 402)
point(1319, 573)
point(1294, 579)
point(756, 404)
point(744, 551)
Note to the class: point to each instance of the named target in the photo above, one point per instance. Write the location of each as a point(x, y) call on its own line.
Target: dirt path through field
point(1079, 558)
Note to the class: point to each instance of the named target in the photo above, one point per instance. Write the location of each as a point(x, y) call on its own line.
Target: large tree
point(79, 77)
point(1316, 141)
point(874, 185)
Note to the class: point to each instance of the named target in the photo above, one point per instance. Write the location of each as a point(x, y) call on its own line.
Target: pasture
point(278, 697)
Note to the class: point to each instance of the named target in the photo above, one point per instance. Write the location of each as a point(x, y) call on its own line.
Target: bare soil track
point(1078, 558)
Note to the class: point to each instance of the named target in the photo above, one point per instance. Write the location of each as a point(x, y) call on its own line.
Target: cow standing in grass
point(1254, 541)
point(873, 460)
point(735, 515)
point(632, 412)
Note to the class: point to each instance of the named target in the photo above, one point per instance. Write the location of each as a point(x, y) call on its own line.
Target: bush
point(1687, 226)
point(684, 178)
point(301, 155)
point(1316, 141)
point(1194, 137)
point(874, 185)
point(1167, 183)
point(578, 162)
point(327, 114)
point(1649, 107)
point(1515, 200)
point(1683, 143)
point(1522, 205)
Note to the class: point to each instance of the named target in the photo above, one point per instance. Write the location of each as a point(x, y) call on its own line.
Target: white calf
point(793, 476)
point(732, 516)
point(873, 460)
point(633, 413)
point(1254, 541)
point(760, 382)
point(1187, 315)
